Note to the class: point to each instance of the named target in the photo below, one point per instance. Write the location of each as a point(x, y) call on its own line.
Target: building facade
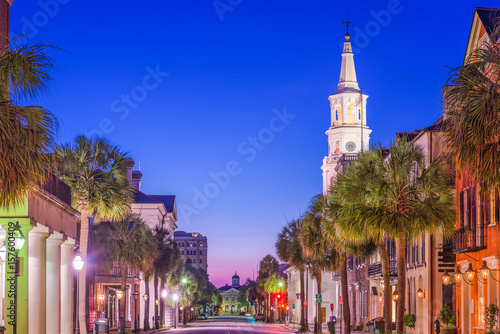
point(476, 242)
point(229, 294)
point(193, 248)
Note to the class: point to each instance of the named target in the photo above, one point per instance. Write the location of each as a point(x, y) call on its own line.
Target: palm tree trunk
point(401, 259)
point(156, 298)
point(146, 303)
point(302, 318)
point(386, 274)
point(318, 305)
point(82, 279)
point(345, 295)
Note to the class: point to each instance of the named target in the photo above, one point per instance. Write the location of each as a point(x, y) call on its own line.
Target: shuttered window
point(461, 209)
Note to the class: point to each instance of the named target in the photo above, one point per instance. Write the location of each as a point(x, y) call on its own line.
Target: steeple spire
point(347, 81)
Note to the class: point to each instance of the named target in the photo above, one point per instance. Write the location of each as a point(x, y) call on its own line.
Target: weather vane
point(347, 24)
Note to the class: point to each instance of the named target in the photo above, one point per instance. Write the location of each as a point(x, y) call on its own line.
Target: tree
point(26, 132)
point(472, 113)
point(165, 262)
point(96, 173)
point(347, 200)
point(128, 243)
point(268, 268)
point(405, 199)
point(289, 249)
point(319, 250)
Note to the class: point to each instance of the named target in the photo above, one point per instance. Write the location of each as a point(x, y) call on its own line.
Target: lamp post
point(136, 314)
point(175, 297)
point(146, 324)
point(78, 265)
point(162, 306)
point(157, 324)
point(119, 294)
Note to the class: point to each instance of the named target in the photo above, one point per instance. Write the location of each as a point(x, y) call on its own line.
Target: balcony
point(467, 239)
point(58, 188)
point(113, 272)
point(375, 269)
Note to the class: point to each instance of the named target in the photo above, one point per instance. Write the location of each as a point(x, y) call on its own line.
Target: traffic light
point(279, 296)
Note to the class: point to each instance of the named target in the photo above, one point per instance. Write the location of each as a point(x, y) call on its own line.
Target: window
point(201, 261)
point(232, 298)
point(462, 217)
point(201, 252)
point(227, 298)
point(423, 249)
point(201, 243)
point(182, 252)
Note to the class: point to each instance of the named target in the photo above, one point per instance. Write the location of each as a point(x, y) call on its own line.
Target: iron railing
point(56, 187)
point(375, 269)
point(467, 239)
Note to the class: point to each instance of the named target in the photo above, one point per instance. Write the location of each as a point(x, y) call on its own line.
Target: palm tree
point(349, 193)
point(127, 242)
point(96, 173)
point(319, 250)
point(472, 113)
point(165, 262)
point(26, 132)
point(405, 199)
point(268, 268)
point(289, 250)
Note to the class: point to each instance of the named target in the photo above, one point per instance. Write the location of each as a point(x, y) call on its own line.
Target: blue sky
point(228, 98)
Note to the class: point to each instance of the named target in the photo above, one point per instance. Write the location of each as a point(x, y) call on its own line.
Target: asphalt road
point(230, 325)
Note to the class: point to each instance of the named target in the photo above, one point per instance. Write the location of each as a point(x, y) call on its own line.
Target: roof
point(489, 18)
point(226, 287)
point(188, 234)
point(167, 200)
point(140, 197)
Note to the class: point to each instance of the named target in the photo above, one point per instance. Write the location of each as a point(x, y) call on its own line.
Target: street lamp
point(470, 273)
point(446, 277)
point(136, 316)
point(484, 270)
point(164, 293)
point(119, 294)
point(175, 297)
point(78, 265)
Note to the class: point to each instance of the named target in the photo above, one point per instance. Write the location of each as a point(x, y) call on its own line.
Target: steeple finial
point(346, 23)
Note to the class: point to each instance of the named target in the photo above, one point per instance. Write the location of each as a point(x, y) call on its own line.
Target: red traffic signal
point(279, 296)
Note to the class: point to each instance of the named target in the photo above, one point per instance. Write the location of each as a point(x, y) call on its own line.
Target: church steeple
point(348, 133)
point(347, 81)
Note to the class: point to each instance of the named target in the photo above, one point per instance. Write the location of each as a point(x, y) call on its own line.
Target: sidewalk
point(324, 328)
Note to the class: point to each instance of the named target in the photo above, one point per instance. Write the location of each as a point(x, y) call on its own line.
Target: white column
point(36, 281)
point(53, 269)
point(127, 305)
point(67, 305)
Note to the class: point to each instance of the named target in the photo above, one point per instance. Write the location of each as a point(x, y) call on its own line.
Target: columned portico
point(53, 294)
point(37, 279)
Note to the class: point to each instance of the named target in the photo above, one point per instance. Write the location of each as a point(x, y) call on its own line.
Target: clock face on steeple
point(350, 146)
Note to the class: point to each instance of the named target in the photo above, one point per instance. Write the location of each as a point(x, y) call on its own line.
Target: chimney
point(136, 179)
point(129, 165)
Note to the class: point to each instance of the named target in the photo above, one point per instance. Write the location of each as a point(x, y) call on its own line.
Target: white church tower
point(348, 134)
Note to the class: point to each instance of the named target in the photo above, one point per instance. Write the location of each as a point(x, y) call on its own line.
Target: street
point(231, 325)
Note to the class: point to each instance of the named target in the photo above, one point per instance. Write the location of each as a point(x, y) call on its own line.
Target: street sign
point(331, 307)
point(293, 306)
point(318, 296)
point(341, 300)
point(318, 299)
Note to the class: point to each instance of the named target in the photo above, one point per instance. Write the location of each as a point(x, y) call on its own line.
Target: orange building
point(476, 242)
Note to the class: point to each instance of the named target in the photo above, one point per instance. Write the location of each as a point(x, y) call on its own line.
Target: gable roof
point(489, 18)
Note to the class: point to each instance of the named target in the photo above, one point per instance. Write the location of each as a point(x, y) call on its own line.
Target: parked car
point(203, 316)
point(259, 316)
point(248, 315)
point(242, 313)
point(216, 314)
